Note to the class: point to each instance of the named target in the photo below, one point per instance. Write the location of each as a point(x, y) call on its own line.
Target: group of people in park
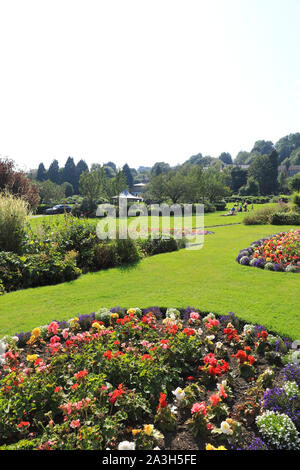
point(239, 208)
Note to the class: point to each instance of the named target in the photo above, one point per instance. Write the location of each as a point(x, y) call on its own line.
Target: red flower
point(118, 392)
point(23, 424)
point(214, 399)
point(146, 357)
point(80, 375)
point(241, 356)
point(108, 354)
point(251, 360)
point(162, 401)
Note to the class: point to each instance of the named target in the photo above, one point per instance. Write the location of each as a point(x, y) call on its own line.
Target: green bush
point(105, 255)
point(13, 214)
point(160, 245)
point(11, 267)
point(127, 251)
point(17, 272)
point(259, 216)
point(280, 218)
point(221, 205)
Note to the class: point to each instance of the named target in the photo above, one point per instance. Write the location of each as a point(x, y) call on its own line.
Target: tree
point(80, 168)
point(242, 158)
point(51, 193)
point(69, 172)
point(295, 157)
point(294, 183)
point(128, 175)
point(263, 147)
point(53, 172)
point(251, 188)
point(93, 184)
point(264, 169)
point(116, 185)
point(283, 182)
point(68, 189)
point(238, 179)
point(286, 145)
point(160, 167)
point(226, 158)
point(41, 172)
point(17, 183)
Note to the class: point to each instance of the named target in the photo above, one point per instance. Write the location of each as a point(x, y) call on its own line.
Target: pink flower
point(65, 333)
point(53, 327)
point(75, 423)
point(194, 316)
point(199, 408)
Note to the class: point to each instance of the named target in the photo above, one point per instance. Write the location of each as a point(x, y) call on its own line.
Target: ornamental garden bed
point(280, 252)
point(149, 379)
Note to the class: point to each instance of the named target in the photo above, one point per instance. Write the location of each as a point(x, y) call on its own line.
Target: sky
point(141, 81)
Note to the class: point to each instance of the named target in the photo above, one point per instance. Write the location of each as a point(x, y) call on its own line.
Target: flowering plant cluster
point(139, 378)
point(280, 252)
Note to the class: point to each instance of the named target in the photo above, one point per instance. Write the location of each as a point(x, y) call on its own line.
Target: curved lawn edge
point(275, 261)
point(180, 278)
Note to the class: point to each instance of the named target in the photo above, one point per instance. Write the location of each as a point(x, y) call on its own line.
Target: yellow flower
point(131, 310)
point(211, 447)
point(36, 332)
point(135, 431)
point(114, 315)
point(31, 340)
point(32, 357)
point(148, 429)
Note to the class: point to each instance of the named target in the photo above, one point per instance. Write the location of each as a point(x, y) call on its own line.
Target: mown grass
point(210, 220)
point(208, 279)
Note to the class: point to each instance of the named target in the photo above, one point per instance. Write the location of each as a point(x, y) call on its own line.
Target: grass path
point(208, 279)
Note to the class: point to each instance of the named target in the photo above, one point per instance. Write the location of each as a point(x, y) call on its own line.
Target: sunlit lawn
point(208, 279)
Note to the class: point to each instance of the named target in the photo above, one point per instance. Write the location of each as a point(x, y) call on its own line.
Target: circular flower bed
point(149, 379)
point(280, 252)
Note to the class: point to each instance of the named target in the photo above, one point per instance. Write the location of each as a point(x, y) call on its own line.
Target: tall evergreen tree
point(128, 175)
point(53, 172)
point(81, 167)
point(41, 172)
point(69, 172)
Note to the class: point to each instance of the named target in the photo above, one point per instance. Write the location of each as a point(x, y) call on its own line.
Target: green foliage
point(282, 218)
point(13, 214)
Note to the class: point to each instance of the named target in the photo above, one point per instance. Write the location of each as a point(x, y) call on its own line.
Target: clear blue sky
point(143, 81)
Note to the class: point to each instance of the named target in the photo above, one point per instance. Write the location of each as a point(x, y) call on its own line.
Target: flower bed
point(148, 379)
point(280, 252)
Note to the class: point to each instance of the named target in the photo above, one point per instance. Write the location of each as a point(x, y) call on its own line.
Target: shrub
point(13, 213)
point(159, 245)
point(105, 255)
point(127, 251)
point(278, 430)
point(11, 267)
point(259, 216)
point(280, 218)
point(220, 205)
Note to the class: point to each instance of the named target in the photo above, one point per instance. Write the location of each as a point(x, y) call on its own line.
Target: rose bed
point(149, 379)
point(280, 252)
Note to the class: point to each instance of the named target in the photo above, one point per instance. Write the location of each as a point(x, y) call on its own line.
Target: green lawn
point(209, 279)
point(211, 219)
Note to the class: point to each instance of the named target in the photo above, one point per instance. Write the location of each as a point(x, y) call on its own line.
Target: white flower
point(126, 445)
point(156, 448)
point(210, 338)
point(219, 345)
point(199, 331)
point(173, 409)
point(179, 393)
point(2, 352)
point(226, 429)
